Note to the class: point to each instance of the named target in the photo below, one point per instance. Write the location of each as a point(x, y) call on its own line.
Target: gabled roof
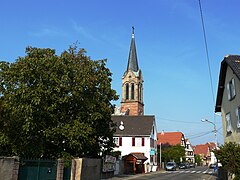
point(233, 61)
point(170, 138)
point(201, 149)
point(204, 148)
point(133, 125)
point(132, 59)
point(139, 156)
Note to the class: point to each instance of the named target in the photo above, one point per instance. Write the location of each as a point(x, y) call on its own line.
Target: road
point(198, 173)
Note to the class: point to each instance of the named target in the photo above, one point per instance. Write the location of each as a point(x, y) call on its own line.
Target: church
point(136, 133)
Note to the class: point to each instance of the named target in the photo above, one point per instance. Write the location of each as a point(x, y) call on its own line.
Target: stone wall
point(9, 167)
point(84, 168)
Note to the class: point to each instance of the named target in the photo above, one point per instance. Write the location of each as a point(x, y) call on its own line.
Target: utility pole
point(160, 154)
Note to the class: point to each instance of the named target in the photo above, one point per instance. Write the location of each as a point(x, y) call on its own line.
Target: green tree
point(173, 153)
point(56, 105)
point(229, 156)
point(197, 158)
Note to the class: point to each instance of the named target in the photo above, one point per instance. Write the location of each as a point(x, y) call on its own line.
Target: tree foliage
point(229, 156)
point(55, 105)
point(197, 159)
point(173, 153)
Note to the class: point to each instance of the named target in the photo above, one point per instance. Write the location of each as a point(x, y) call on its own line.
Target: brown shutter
point(143, 141)
point(133, 141)
point(120, 141)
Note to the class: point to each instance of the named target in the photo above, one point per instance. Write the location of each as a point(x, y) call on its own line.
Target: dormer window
point(231, 89)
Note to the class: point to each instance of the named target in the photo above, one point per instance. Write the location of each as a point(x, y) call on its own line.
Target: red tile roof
point(201, 149)
point(204, 148)
point(171, 138)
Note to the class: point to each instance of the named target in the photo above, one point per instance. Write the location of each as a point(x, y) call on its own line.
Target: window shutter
point(120, 141)
point(143, 141)
point(133, 141)
point(228, 91)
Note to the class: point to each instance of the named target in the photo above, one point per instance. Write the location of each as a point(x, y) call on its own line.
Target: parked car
point(192, 165)
point(182, 166)
point(171, 166)
point(187, 165)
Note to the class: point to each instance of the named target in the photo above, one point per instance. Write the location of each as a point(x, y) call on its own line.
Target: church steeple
point(132, 84)
point(132, 59)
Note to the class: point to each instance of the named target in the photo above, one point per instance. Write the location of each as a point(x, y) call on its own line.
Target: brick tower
point(132, 84)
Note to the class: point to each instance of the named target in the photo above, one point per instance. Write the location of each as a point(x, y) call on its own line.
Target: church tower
point(132, 84)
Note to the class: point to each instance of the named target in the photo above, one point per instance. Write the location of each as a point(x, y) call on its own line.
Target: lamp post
point(215, 130)
point(160, 154)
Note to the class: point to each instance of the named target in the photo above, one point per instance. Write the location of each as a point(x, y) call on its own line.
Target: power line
point(198, 134)
point(176, 121)
point(201, 135)
point(206, 48)
point(173, 120)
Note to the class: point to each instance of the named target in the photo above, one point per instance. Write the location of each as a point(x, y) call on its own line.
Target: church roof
point(132, 59)
point(133, 125)
point(233, 61)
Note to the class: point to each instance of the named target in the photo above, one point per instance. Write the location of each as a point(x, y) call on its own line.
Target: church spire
point(132, 59)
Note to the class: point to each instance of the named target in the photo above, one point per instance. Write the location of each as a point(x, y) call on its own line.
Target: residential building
point(228, 97)
point(171, 139)
point(166, 139)
point(205, 152)
point(136, 133)
point(189, 152)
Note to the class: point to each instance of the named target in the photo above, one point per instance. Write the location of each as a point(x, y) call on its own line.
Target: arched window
point(132, 91)
point(127, 91)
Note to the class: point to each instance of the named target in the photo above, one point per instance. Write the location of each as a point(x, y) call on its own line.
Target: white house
point(137, 134)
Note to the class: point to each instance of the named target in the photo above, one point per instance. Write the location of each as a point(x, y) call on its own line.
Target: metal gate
point(39, 169)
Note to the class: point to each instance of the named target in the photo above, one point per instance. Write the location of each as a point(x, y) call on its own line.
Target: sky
point(170, 48)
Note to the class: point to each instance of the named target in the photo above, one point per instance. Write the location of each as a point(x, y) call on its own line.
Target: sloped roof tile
point(171, 138)
point(134, 125)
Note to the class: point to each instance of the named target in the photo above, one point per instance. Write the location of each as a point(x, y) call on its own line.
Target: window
point(228, 122)
point(132, 91)
point(231, 89)
point(117, 141)
point(138, 141)
point(238, 116)
point(127, 91)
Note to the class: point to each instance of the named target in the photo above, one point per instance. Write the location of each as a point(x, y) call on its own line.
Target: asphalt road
point(198, 173)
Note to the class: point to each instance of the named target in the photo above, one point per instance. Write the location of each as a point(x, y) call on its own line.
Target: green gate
point(39, 169)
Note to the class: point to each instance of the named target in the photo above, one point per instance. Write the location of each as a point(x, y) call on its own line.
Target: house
point(189, 152)
point(228, 98)
point(136, 133)
point(171, 139)
point(205, 152)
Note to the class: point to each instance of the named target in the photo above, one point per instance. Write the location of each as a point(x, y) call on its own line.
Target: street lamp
point(215, 130)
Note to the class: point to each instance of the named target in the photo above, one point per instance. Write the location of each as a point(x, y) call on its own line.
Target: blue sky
point(170, 48)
